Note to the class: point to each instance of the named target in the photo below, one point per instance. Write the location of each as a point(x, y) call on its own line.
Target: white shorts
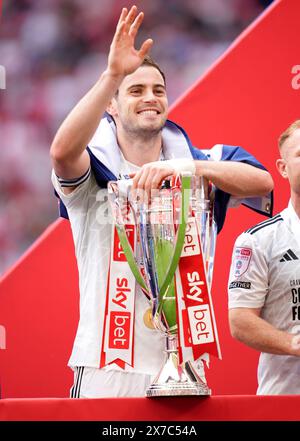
point(97, 383)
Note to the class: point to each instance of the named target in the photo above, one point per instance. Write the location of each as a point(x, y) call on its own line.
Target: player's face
point(291, 158)
point(141, 105)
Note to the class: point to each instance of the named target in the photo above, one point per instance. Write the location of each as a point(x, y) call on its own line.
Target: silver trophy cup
point(161, 226)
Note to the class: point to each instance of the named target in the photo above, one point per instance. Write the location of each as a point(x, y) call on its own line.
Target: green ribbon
point(130, 256)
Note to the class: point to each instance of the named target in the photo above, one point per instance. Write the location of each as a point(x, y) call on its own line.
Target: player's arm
point(236, 178)
point(247, 326)
point(68, 150)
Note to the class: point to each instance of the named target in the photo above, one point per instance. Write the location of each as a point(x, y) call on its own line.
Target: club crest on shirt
point(242, 257)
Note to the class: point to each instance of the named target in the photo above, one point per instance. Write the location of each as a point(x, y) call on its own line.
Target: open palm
point(123, 58)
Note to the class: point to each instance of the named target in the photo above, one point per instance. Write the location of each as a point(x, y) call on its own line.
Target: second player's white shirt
point(265, 273)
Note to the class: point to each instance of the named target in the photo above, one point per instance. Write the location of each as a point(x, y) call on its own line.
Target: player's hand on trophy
point(123, 58)
point(151, 175)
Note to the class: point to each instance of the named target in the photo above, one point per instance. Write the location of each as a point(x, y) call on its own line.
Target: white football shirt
point(265, 273)
point(89, 218)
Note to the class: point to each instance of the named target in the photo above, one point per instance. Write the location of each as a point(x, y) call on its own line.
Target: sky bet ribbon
point(184, 305)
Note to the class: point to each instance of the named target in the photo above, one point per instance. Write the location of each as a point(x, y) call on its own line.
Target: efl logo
point(242, 257)
point(119, 330)
point(200, 324)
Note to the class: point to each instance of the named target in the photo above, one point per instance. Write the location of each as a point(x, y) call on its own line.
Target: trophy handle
point(185, 200)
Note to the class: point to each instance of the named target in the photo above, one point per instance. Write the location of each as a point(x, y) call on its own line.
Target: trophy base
point(176, 390)
point(176, 380)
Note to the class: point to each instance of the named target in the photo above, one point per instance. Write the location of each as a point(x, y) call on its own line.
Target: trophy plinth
point(175, 379)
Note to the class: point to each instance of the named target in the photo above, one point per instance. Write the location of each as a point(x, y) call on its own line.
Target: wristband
point(182, 165)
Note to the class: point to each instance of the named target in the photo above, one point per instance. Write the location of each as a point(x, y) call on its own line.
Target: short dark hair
point(148, 61)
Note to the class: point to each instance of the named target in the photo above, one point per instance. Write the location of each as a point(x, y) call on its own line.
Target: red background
point(245, 99)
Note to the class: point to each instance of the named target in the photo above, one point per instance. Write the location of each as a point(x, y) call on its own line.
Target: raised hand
point(123, 58)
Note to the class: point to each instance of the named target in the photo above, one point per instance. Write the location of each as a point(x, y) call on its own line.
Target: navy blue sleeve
point(262, 205)
point(102, 175)
point(233, 153)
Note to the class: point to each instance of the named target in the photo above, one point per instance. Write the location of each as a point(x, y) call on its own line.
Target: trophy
point(172, 261)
